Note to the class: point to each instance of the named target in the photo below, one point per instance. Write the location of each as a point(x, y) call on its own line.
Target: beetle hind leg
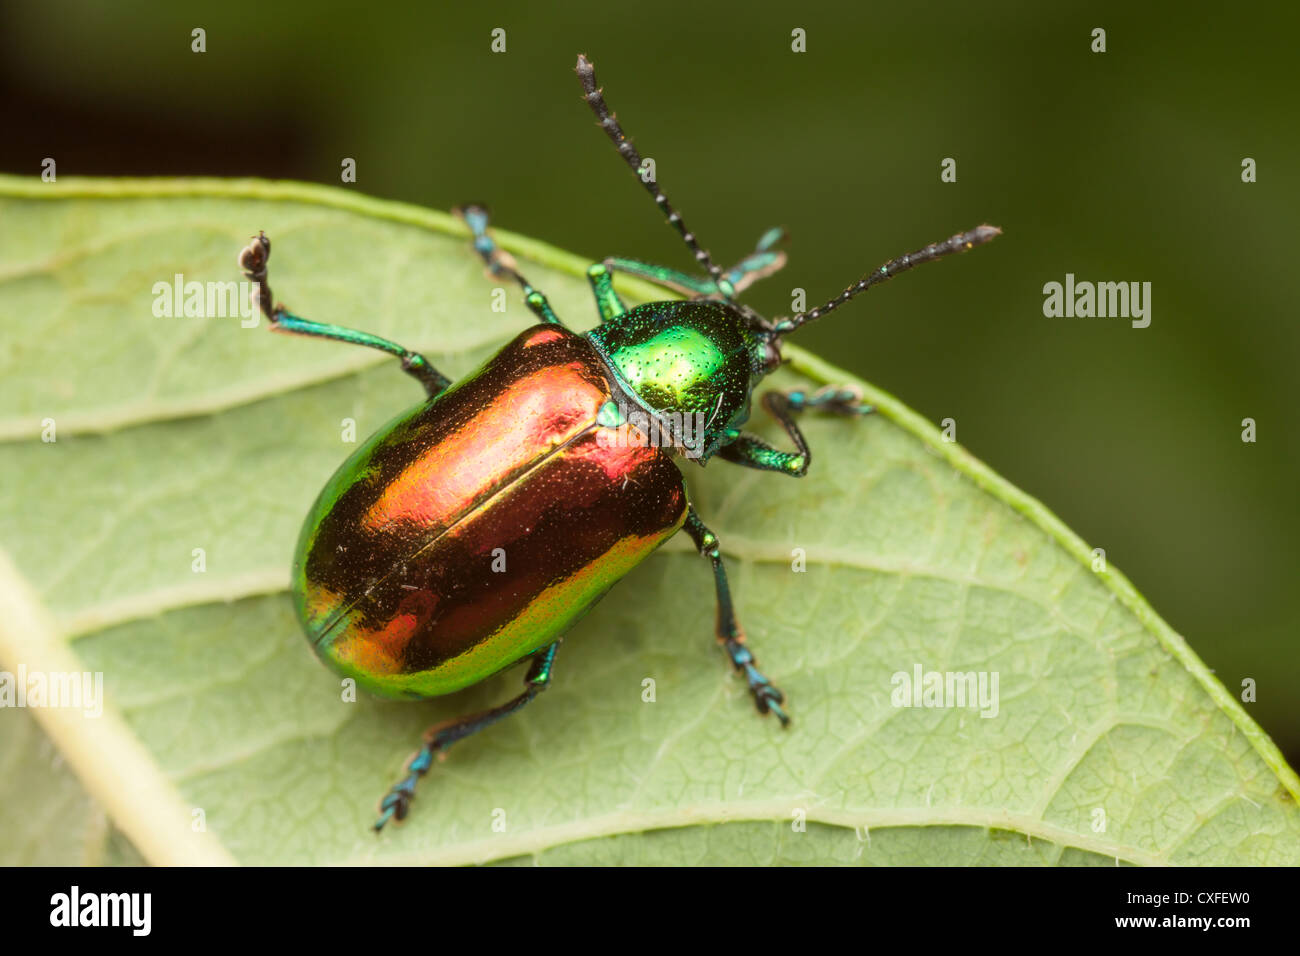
point(396, 804)
point(767, 697)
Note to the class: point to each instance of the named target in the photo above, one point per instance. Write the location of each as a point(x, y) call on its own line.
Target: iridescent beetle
point(541, 457)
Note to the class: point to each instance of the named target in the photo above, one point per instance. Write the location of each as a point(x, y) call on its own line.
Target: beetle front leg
point(763, 261)
point(674, 279)
point(253, 261)
point(397, 803)
point(753, 452)
point(766, 696)
point(608, 303)
point(500, 263)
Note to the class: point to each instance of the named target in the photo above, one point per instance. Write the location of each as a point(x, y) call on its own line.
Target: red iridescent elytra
point(476, 528)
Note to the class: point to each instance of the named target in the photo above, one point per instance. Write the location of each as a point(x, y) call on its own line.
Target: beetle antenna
point(936, 250)
point(592, 94)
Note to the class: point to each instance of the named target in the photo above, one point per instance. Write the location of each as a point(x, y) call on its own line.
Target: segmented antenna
point(592, 94)
point(958, 243)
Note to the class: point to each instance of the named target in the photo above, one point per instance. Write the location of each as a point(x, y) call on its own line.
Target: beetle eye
point(771, 354)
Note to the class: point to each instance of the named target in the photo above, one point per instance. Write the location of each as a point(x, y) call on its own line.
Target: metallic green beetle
point(474, 529)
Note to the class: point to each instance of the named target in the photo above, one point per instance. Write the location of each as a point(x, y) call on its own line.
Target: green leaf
point(176, 434)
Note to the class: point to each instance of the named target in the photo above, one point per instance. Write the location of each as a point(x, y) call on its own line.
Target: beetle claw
point(769, 700)
point(397, 804)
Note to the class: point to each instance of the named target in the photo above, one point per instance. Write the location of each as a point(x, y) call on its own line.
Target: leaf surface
point(222, 739)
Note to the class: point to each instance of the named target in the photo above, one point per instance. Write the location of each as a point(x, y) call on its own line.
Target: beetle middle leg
point(253, 261)
point(500, 263)
point(766, 696)
point(397, 803)
point(752, 452)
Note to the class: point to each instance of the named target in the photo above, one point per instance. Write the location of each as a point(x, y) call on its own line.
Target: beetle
point(473, 530)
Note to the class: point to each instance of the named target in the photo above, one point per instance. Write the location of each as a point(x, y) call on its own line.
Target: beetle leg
point(397, 803)
point(753, 452)
point(766, 696)
point(602, 287)
point(253, 260)
point(501, 263)
point(759, 263)
point(673, 279)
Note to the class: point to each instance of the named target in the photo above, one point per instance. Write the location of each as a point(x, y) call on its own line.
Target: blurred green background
point(1122, 166)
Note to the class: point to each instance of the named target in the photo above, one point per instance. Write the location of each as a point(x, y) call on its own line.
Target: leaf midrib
point(508, 846)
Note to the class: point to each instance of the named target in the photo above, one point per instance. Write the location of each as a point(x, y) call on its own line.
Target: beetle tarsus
point(769, 701)
point(767, 697)
point(253, 259)
point(397, 802)
point(844, 400)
